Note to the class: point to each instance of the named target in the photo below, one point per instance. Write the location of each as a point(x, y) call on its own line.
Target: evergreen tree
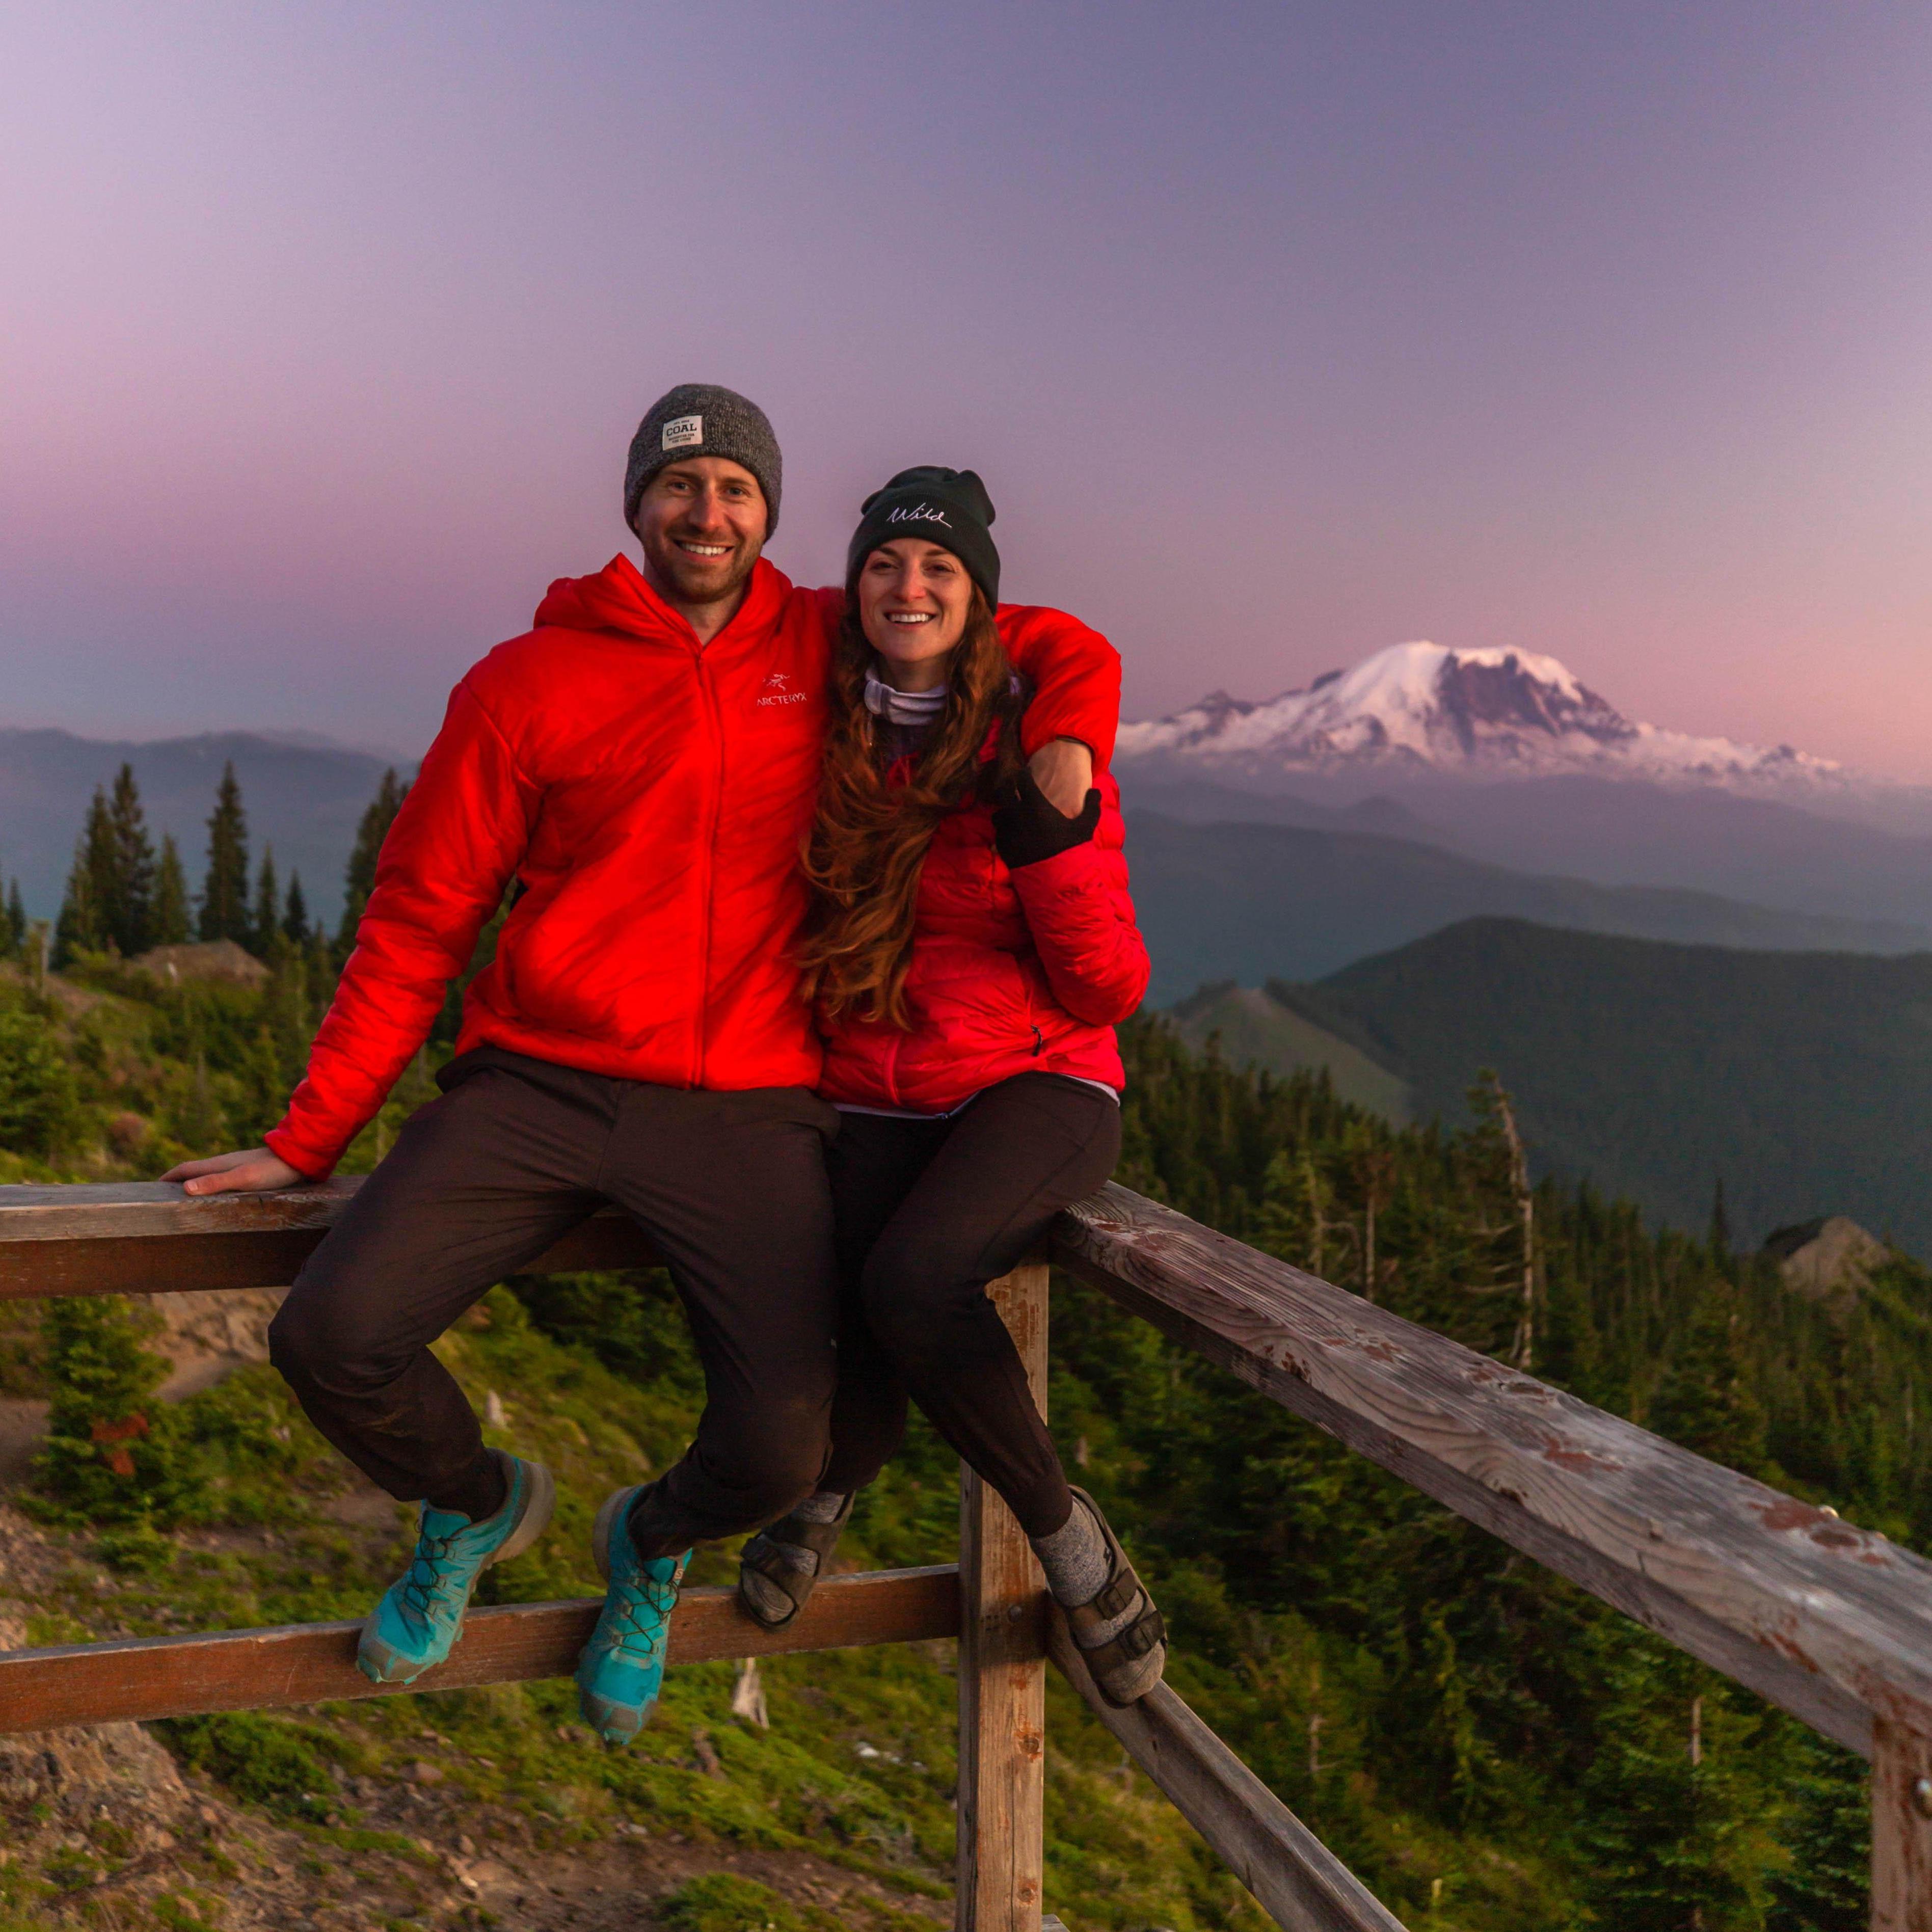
point(39, 1110)
point(129, 914)
point(265, 925)
point(82, 926)
point(1705, 1403)
point(294, 914)
point(360, 880)
point(109, 1455)
point(1826, 1888)
point(224, 894)
point(14, 928)
point(169, 924)
point(1721, 1225)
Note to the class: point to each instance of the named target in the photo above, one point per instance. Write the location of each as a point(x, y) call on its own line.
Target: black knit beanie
point(704, 419)
point(947, 507)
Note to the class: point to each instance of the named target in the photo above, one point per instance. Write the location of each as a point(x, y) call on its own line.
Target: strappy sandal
point(1127, 1665)
point(761, 1554)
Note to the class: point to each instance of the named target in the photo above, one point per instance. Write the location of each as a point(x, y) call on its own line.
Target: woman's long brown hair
point(867, 845)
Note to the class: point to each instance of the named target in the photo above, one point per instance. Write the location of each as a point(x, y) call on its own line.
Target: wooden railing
point(1832, 1623)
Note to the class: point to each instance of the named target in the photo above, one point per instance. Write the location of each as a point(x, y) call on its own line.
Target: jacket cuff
point(311, 1163)
point(1065, 871)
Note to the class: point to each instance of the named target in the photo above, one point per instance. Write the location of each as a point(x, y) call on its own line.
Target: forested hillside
point(1484, 1744)
point(1802, 1081)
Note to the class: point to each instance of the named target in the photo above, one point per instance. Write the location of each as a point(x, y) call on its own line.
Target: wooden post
point(1901, 1801)
point(1002, 1672)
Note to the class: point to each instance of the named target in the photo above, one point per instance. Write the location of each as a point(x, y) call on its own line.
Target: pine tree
point(224, 894)
point(265, 926)
point(361, 878)
point(1826, 1888)
point(1705, 1401)
point(129, 914)
point(169, 924)
point(1720, 1236)
point(82, 926)
point(14, 927)
point(110, 1454)
point(294, 914)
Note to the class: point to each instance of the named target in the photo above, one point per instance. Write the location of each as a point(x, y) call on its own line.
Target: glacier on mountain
point(1425, 709)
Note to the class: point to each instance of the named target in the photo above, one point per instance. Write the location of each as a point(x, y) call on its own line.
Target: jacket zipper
point(699, 1039)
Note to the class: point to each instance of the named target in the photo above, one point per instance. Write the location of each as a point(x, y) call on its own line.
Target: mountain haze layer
point(1253, 902)
point(1764, 851)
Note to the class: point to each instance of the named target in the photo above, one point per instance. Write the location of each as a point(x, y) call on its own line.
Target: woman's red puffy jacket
point(1013, 971)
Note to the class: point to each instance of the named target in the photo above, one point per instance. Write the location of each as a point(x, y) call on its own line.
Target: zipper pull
point(1039, 1043)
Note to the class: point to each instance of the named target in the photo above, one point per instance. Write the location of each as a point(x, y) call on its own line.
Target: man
point(643, 764)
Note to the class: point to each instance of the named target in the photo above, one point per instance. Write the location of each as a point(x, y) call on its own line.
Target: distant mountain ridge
point(303, 796)
point(1761, 851)
point(1254, 902)
point(1422, 708)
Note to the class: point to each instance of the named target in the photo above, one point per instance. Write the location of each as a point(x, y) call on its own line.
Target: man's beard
point(689, 582)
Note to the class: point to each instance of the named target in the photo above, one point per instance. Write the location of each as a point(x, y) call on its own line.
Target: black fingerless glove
point(1028, 827)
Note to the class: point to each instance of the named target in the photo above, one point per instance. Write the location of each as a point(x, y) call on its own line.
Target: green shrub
point(113, 1454)
point(719, 1903)
point(40, 1109)
point(269, 1763)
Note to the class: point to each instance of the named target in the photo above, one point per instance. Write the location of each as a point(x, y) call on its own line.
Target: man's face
point(702, 524)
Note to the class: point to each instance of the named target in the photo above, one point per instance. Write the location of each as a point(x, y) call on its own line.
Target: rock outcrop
point(1827, 1260)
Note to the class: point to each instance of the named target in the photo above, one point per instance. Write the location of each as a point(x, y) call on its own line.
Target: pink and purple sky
point(1281, 334)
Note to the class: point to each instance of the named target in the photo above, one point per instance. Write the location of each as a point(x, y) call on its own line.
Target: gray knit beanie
point(702, 419)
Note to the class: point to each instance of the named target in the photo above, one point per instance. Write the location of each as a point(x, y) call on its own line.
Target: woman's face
point(913, 599)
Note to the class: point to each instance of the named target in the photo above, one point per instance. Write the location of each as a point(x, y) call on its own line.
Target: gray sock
point(821, 1506)
point(1075, 1559)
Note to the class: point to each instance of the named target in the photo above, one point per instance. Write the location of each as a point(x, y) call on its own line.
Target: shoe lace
point(649, 1597)
point(431, 1574)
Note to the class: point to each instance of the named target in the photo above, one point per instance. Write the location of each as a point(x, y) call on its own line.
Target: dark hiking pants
point(730, 1186)
point(929, 1212)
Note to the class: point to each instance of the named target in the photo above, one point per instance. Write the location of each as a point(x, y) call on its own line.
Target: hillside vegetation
point(1801, 1082)
point(1489, 1748)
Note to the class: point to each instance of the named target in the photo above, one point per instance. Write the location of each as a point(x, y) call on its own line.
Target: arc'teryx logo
point(777, 689)
point(919, 513)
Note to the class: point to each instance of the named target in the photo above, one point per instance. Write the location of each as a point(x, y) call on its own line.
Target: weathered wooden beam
point(147, 1237)
point(311, 1663)
point(1001, 1864)
point(1901, 1851)
point(1294, 1877)
point(1833, 1623)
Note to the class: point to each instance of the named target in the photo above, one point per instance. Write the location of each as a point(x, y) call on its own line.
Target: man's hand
point(253, 1171)
point(1064, 769)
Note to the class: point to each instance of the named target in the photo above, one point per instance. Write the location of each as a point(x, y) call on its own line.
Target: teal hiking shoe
point(416, 1625)
point(622, 1668)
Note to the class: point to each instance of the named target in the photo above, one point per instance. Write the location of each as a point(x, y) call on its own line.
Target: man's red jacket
point(651, 794)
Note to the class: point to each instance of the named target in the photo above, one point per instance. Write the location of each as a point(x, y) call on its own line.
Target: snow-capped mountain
point(1421, 709)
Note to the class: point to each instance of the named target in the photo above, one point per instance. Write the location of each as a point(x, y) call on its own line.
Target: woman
point(971, 950)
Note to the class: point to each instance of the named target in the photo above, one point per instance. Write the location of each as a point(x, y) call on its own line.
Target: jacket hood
point(618, 598)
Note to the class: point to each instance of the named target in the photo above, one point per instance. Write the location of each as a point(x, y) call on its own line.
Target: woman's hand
point(252, 1171)
point(1028, 827)
point(1064, 769)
